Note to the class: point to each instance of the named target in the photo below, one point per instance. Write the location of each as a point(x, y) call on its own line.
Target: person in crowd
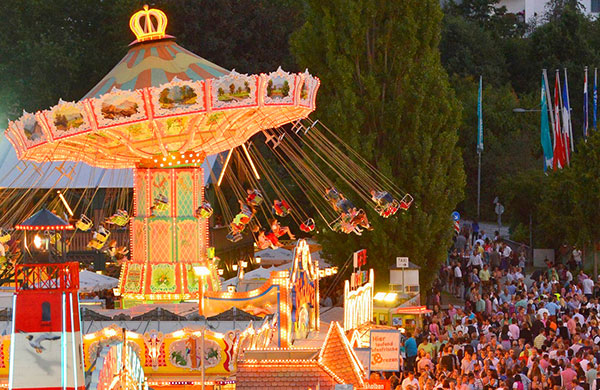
point(512, 329)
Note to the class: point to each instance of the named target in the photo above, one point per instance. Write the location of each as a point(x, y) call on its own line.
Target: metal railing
point(63, 276)
point(80, 240)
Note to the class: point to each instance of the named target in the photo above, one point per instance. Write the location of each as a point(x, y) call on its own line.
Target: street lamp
point(520, 110)
point(202, 272)
point(258, 260)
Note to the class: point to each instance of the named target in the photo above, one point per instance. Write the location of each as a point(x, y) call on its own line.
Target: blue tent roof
point(42, 220)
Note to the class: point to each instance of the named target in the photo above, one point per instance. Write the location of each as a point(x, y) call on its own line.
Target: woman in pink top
point(434, 329)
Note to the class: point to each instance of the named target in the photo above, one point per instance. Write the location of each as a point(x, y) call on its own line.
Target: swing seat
point(388, 209)
point(336, 224)
point(120, 218)
point(234, 237)
point(247, 211)
point(406, 202)
point(308, 225)
point(161, 203)
point(204, 211)
point(282, 209)
point(84, 223)
point(4, 236)
point(241, 219)
point(99, 240)
point(255, 198)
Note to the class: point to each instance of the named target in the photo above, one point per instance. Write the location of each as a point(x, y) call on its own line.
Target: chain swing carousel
point(160, 111)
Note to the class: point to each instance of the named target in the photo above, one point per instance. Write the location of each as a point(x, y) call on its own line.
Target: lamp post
point(202, 272)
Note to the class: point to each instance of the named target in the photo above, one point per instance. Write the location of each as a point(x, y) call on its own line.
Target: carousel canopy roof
point(162, 103)
point(44, 220)
point(154, 63)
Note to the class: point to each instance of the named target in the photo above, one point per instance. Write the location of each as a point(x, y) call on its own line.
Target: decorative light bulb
point(37, 241)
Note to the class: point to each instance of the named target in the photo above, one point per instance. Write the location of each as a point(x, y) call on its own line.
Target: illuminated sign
point(358, 304)
point(360, 258)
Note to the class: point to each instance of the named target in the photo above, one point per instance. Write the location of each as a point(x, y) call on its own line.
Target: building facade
point(535, 9)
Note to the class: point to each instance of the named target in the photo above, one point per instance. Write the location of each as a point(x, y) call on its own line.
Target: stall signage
point(360, 258)
point(358, 279)
point(376, 384)
point(402, 262)
point(385, 350)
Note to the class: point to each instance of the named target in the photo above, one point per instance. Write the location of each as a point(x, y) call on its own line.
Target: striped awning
point(153, 63)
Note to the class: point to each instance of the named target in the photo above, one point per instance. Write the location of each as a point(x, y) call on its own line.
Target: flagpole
point(595, 94)
point(479, 142)
point(478, 181)
point(570, 130)
point(585, 105)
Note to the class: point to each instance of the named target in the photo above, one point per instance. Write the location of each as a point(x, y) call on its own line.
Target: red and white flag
point(560, 158)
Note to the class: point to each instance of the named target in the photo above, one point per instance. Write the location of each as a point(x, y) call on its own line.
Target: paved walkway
point(489, 228)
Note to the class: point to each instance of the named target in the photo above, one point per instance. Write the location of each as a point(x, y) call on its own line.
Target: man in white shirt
point(458, 280)
point(475, 260)
point(568, 276)
point(588, 287)
point(506, 251)
point(410, 380)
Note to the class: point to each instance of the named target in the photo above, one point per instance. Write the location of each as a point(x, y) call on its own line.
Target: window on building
point(46, 317)
point(595, 6)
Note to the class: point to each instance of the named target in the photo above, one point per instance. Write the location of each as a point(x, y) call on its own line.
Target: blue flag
point(545, 130)
point(479, 119)
point(595, 105)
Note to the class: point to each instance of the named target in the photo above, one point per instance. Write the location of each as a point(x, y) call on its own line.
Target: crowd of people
point(514, 331)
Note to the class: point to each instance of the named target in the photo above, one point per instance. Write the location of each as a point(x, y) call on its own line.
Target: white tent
point(91, 281)
point(259, 273)
point(27, 174)
point(274, 256)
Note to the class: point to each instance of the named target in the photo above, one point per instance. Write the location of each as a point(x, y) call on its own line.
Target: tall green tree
point(384, 91)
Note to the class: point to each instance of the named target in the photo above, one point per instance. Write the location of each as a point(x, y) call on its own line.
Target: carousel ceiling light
point(37, 241)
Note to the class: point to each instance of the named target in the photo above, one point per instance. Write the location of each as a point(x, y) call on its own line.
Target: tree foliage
point(476, 42)
point(385, 92)
point(570, 206)
point(60, 49)
point(510, 141)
